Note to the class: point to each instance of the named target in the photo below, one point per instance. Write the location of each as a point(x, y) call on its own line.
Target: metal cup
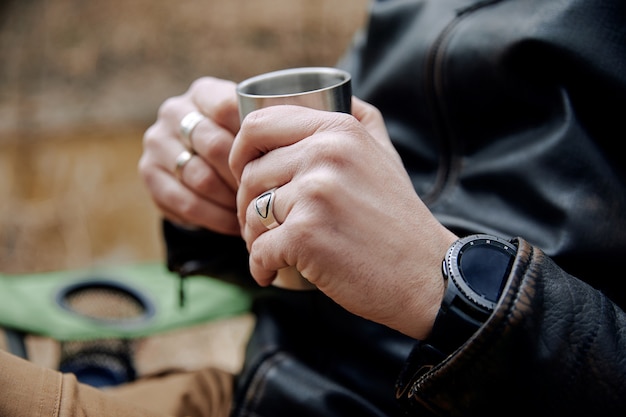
point(319, 88)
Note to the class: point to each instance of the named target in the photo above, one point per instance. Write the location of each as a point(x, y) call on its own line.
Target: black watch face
point(484, 265)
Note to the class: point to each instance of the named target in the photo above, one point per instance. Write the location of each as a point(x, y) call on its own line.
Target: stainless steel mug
point(320, 88)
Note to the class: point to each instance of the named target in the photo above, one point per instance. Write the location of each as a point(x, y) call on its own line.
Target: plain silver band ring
point(264, 206)
point(187, 125)
point(181, 161)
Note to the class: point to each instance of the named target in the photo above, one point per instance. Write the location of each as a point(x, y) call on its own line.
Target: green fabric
point(29, 302)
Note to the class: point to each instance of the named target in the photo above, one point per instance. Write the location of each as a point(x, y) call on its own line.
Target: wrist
point(424, 294)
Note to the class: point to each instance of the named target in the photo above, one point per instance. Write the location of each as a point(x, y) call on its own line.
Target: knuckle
point(205, 180)
point(198, 83)
point(334, 149)
point(340, 122)
point(224, 106)
point(169, 106)
point(202, 82)
point(150, 136)
point(247, 175)
point(216, 149)
point(256, 256)
point(260, 118)
point(320, 183)
point(143, 166)
point(187, 208)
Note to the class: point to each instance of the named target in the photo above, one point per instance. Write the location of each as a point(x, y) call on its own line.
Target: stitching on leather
point(526, 281)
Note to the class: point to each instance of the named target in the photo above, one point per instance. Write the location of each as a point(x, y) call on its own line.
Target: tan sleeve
point(27, 390)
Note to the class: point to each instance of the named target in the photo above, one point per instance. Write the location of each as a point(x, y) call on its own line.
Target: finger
point(373, 121)
point(214, 98)
point(204, 181)
point(171, 194)
point(212, 137)
point(185, 207)
point(277, 126)
point(274, 169)
point(261, 214)
point(173, 217)
point(212, 143)
point(266, 245)
point(217, 99)
point(368, 115)
point(161, 153)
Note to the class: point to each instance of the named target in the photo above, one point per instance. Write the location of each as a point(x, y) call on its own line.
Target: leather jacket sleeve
point(504, 112)
point(554, 346)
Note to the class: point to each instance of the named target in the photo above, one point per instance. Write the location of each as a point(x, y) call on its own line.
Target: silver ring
point(187, 125)
point(181, 161)
point(264, 206)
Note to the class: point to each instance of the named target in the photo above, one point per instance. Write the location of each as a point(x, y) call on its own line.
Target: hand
point(205, 193)
point(351, 221)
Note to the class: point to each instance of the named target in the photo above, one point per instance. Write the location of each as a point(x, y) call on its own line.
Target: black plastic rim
point(89, 283)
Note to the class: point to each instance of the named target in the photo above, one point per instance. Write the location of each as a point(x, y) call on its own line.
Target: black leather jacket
point(508, 115)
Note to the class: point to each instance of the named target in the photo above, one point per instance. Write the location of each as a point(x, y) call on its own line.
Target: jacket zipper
point(449, 156)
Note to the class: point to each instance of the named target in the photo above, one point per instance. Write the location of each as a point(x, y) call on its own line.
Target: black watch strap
point(475, 270)
point(453, 326)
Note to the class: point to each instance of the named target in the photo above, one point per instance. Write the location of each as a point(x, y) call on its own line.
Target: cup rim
point(292, 71)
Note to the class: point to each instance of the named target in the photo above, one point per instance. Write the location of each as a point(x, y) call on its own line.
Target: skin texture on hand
point(352, 223)
point(205, 195)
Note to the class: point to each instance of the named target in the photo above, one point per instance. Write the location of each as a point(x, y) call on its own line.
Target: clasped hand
point(350, 219)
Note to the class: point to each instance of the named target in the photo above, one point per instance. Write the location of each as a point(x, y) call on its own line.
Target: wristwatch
point(475, 269)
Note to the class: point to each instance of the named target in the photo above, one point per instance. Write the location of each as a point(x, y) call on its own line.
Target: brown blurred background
point(80, 81)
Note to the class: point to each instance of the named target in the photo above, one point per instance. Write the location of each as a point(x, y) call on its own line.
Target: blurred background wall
point(80, 81)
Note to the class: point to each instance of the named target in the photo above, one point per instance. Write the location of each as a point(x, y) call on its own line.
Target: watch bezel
point(452, 269)
point(463, 310)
